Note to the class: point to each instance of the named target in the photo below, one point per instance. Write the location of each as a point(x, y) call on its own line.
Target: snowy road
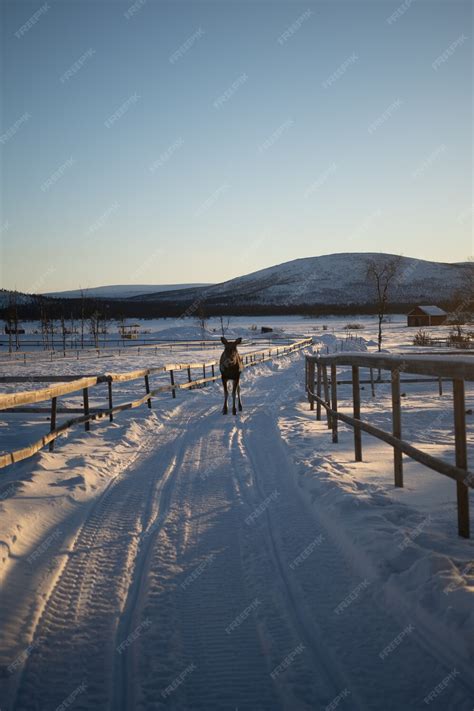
point(203, 579)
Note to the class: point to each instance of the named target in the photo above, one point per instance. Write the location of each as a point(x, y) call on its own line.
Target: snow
point(432, 310)
point(180, 559)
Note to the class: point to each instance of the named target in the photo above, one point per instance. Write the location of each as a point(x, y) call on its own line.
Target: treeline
point(84, 322)
point(83, 309)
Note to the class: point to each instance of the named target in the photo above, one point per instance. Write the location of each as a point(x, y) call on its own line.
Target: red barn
point(426, 316)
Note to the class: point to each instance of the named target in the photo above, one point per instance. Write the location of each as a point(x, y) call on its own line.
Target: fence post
point(318, 393)
point(356, 413)
point(397, 426)
point(85, 398)
point(147, 389)
point(334, 402)
point(326, 394)
point(372, 384)
point(440, 386)
point(111, 404)
point(212, 370)
point(172, 383)
point(54, 401)
point(204, 372)
point(189, 375)
point(310, 382)
point(461, 456)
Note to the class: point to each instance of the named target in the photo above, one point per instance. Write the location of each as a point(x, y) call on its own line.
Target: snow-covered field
point(180, 559)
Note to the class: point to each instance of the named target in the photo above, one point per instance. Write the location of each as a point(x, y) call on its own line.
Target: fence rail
point(72, 384)
point(456, 369)
point(123, 348)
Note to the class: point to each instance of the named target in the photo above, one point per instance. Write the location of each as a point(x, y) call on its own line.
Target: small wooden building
point(130, 332)
point(426, 316)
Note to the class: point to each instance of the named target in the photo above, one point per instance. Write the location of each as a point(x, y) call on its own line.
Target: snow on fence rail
point(453, 368)
point(71, 383)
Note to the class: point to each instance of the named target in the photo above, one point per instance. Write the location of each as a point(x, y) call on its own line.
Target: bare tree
point(72, 331)
point(83, 315)
point(225, 324)
point(16, 325)
point(63, 332)
point(104, 329)
point(94, 326)
point(9, 322)
point(8, 329)
point(12, 324)
point(45, 322)
point(202, 320)
point(52, 330)
point(121, 325)
point(382, 273)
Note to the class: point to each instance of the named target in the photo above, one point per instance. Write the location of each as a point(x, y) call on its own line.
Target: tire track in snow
point(196, 589)
point(124, 667)
point(354, 639)
point(189, 627)
point(123, 686)
point(73, 640)
point(329, 679)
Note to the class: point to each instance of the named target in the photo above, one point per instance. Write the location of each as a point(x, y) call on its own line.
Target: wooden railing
point(69, 384)
point(321, 387)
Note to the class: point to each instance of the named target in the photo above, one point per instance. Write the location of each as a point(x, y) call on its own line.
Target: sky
point(155, 142)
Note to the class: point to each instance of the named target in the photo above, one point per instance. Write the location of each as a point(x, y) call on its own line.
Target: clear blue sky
point(234, 146)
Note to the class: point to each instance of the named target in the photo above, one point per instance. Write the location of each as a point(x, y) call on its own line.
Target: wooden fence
point(36, 354)
point(156, 346)
point(18, 402)
point(321, 373)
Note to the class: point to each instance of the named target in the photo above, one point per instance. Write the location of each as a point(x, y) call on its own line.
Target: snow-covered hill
point(121, 291)
point(331, 279)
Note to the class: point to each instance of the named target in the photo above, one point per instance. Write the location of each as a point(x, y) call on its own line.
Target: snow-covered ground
point(180, 559)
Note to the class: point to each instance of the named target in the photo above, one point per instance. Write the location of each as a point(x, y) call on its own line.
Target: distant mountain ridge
point(334, 283)
point(336, 279)
point(120, 291)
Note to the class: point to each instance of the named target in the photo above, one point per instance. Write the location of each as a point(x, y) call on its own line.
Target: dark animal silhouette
point(231, 365)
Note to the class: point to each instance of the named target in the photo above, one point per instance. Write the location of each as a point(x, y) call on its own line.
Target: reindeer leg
point(224, 383)
point(234, 388)
point(238, 395)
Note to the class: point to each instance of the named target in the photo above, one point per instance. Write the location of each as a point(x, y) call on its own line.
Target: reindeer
point(231, 365)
